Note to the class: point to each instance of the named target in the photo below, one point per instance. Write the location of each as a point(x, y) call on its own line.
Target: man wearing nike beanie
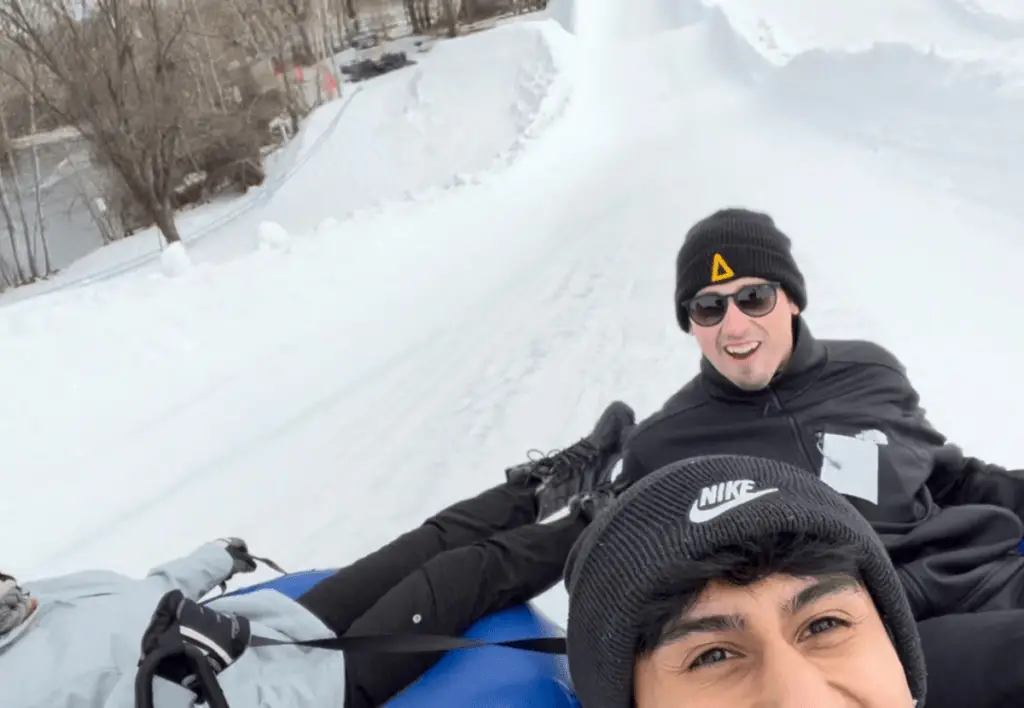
point(741, 582)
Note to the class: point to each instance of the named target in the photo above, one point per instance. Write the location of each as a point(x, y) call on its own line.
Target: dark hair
point(798, 555)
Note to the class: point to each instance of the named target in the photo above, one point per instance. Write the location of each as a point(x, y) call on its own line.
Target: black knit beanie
point(735, 243)
point(639, 549)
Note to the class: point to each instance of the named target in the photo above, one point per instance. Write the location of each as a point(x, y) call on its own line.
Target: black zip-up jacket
point(951, 523)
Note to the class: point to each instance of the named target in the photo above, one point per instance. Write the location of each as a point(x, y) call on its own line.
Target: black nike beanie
point(730, 244)
point(639, 548)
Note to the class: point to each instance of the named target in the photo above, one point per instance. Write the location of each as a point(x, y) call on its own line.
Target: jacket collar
point(804, 366)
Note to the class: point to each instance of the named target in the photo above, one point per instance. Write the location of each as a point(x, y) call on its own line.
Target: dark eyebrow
point(826, 585)
point(682, 627)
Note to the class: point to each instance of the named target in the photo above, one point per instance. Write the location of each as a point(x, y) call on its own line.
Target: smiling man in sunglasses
point(844, 411)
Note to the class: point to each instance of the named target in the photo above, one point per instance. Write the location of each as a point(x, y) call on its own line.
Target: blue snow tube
point(483, 677)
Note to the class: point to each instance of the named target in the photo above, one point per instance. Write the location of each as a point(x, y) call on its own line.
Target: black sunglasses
point(756, 300)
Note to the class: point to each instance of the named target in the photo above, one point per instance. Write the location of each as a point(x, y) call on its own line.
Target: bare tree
point(118, 75)
point(165, 90)
point(20, 214)
point(450, 10)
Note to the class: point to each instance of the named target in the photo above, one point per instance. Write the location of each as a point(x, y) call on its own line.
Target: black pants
point(476, 557)
point(975, 660)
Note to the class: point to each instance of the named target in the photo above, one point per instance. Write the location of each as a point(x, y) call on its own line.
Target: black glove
point(243, 560)
point(178, 623)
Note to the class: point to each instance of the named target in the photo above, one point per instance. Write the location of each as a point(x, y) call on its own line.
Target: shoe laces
point(563, 462)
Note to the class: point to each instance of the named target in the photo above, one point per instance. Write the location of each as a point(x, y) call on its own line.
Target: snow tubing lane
point(483, 677)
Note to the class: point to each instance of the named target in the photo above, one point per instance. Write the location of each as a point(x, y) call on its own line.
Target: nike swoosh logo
point(699, 516)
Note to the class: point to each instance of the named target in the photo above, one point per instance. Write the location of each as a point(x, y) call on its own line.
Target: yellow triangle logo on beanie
point(720, 270)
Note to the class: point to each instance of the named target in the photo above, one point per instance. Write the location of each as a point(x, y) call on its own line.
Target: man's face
point(783, 642)
point(748, 350)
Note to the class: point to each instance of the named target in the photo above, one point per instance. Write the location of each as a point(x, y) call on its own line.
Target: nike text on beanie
point(643, 546)
point(730, 244)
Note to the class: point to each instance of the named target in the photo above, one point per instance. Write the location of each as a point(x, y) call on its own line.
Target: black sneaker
point(581, 467)
point(591, 503)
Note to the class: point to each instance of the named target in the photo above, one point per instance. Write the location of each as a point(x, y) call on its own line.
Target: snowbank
point(599, 22)
point(468, 106)
point(908, 78)
point(896, 94)
point(271, 236)
point(951, 118)
point(175, 261)
point(781, 29)
point(467, 109)
point(999, 19)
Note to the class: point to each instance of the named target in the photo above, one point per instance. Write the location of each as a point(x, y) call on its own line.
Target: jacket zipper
point(796, 432)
